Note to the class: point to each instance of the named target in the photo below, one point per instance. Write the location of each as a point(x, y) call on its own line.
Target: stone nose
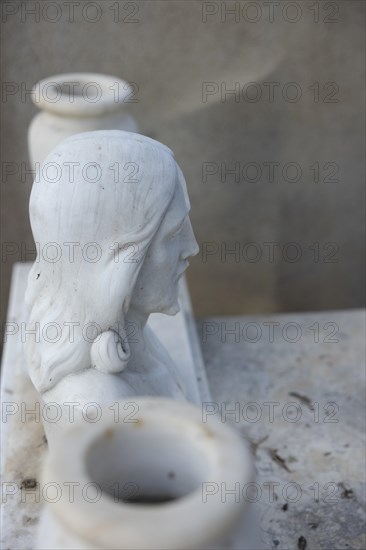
point(190, 245)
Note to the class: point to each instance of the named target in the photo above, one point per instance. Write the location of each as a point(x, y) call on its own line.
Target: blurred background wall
point(292, 133)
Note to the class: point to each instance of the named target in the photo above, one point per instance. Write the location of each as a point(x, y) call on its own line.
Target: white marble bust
point(109, 215)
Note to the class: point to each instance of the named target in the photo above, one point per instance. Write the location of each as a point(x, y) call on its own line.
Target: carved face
point(166, 260)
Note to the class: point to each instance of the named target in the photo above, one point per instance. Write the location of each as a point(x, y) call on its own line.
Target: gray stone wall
point(292, 131)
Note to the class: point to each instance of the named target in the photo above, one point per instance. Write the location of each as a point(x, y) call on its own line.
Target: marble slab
point(309, 369)
point(294, 384)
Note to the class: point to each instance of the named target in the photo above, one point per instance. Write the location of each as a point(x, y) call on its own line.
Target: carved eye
point(177, 230)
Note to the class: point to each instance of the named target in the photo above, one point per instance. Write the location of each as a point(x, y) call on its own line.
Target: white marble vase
point(155, 479)
point(74, 103)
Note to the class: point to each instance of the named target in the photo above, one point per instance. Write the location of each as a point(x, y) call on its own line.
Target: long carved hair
point(95, 207)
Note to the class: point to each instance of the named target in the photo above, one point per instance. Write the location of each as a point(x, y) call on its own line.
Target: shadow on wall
point(275, 202)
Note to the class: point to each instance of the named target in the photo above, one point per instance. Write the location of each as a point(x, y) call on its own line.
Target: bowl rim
point(123, 525)
point(109, 93)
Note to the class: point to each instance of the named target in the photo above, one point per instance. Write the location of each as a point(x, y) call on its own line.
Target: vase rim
point(227, 460)
point(81, 94)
